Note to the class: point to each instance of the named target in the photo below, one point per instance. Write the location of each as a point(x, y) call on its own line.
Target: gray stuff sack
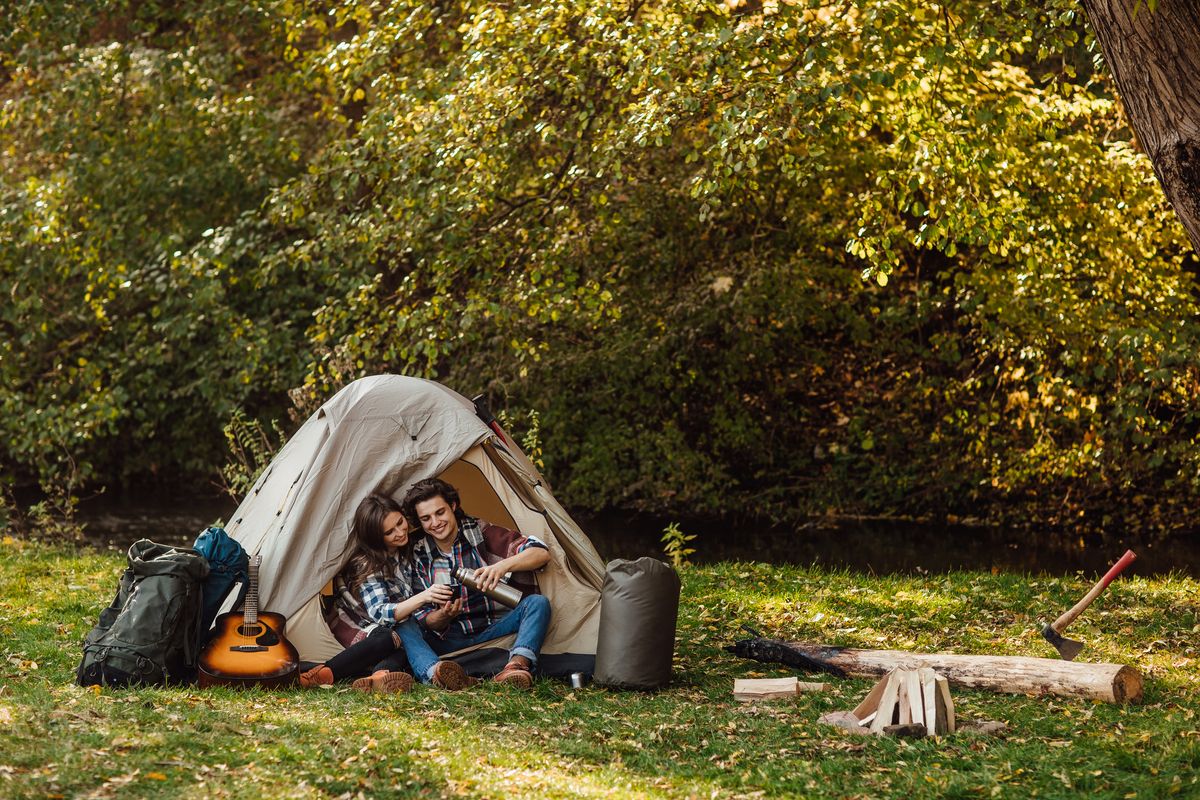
point(639, 607)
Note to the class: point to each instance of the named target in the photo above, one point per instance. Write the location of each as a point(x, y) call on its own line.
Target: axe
point(1069, 648)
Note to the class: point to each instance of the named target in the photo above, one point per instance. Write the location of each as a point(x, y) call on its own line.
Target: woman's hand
point(438, 594)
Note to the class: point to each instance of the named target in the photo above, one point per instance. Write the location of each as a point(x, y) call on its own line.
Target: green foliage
point(139, 141)
point(776, 258)
point(674, 542)
point(527, 429)
point(251, 447)
point(50, 519)
point(646, 222)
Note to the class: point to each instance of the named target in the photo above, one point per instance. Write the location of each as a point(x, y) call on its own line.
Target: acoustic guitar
point(248, 648)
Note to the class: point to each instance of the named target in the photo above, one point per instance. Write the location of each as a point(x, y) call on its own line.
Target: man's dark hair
point(427, 490)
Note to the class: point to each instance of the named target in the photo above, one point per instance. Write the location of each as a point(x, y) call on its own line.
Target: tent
point(384, 433)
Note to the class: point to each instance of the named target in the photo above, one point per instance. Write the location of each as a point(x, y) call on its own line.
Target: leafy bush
point(650, 222)
point(139, 142)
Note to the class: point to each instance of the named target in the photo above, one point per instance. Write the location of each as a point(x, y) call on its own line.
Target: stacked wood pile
point(918, 697)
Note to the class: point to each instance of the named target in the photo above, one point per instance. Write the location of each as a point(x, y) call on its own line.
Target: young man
point(490, 552)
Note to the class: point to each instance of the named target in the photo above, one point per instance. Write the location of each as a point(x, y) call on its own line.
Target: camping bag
point(639, 605)
point(228, 571)
point(149, 633)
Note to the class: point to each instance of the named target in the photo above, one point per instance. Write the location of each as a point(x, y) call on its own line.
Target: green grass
point(690, 740)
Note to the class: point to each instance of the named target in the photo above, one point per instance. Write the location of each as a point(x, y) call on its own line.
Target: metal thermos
point(503, 593)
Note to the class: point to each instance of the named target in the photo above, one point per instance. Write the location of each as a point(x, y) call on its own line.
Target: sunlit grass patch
point(691, 739)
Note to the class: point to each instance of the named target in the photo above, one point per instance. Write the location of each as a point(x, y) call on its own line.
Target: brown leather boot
point(449, 675)
point(516, 673)
point(319, 675)
point(385, 682)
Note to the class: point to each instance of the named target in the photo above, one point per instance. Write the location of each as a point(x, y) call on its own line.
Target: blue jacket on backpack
point(229, 570)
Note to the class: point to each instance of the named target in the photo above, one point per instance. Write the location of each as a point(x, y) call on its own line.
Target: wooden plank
point(903, 705)
point(764, 688)
point(749, 689)
point(807, 687)
point(929, 693)
point(865, 711)
point(917, 706)
point(886, 715)
point(946, 704)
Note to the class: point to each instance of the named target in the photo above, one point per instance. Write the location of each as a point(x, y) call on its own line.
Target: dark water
point(117, 522)
point(882, 546)
point(872, 546)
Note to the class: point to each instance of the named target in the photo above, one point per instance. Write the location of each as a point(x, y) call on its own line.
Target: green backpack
point(150, 632)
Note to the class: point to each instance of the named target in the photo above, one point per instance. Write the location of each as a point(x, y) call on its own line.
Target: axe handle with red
point(1068, 648)
point(1116, 569)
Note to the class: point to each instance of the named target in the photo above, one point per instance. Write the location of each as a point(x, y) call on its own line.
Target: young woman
point(377, 596)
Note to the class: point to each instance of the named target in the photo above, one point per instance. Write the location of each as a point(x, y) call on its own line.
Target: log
point(1112, 683)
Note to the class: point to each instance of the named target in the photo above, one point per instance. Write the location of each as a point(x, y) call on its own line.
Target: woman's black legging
point(380, 650)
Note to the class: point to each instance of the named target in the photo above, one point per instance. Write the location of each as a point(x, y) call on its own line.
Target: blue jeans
point(529, 621)
point(421, 657)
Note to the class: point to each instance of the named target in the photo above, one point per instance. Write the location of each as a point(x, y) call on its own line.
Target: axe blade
point(1067, 648)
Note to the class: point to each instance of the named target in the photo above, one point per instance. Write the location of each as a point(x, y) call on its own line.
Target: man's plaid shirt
point(470, 550)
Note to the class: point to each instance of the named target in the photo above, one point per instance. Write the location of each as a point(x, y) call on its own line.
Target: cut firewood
point(945, 706)
point(886, 713)
point(929, 693)
point(904, 706)
point(916, 707)
point(865, 710)
point(749, 689)
point(907, 698)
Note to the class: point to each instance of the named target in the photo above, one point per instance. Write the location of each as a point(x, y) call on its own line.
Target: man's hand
point(489, 576)
point(440, 618)
point(528, 559)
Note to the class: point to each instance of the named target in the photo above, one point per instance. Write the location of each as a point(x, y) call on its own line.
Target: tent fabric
point(385, 433)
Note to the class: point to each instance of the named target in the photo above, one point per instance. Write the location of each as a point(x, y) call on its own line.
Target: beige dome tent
point(385, 433)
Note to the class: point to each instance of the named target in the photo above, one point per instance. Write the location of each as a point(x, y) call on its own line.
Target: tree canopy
point(777, 257)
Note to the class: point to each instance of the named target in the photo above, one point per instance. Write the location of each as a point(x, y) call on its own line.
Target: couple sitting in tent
point(399, 602)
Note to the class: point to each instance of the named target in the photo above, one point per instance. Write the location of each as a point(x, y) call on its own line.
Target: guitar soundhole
point(261, 634)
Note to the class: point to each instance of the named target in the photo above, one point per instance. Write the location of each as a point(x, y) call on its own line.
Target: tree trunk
point(1112, 683)
point(1154, 57)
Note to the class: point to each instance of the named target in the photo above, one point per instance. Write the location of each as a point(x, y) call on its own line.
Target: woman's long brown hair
point(371, 553)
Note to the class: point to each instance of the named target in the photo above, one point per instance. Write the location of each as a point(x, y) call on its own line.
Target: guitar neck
point(250, 612)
